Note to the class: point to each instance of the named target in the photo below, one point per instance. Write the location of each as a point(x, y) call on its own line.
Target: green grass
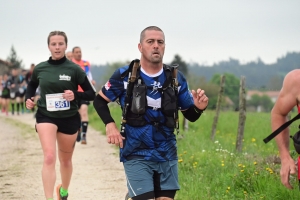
point(212, 170)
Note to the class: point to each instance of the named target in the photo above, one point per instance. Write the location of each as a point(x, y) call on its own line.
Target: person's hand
point(13, 85)
point(68, 95)
point(200, 99)
point(30, 103)
point(113, 135)
point(93, 82)
point(288, 167)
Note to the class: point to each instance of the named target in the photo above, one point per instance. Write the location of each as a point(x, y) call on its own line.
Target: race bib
point(56, 102)
point(21, 90)
point(12, 95)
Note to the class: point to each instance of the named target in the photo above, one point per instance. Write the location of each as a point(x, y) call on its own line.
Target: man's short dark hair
point(75, 48)
point(154, 28)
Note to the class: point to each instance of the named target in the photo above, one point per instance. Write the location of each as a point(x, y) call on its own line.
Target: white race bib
point(21, 90)
point(56, 102)
point(12, 95)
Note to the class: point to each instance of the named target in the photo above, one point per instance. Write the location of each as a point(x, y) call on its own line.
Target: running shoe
point(83, 139)
point(127, 197)
point(59, 197)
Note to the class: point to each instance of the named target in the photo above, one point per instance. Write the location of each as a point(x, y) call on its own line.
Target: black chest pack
point(135, 106)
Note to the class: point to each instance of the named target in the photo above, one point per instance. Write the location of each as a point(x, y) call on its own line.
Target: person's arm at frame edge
point(286, 101)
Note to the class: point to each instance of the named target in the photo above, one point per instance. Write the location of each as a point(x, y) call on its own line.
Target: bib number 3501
point(56, 102)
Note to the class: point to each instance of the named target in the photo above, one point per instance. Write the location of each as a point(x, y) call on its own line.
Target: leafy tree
point(264, 101)
point(231, 63)
point(211, 90)
point(275, 83)
point(16, 62)
point(232, 85)
point(254, 101)
point(257, 73)
point(4, 67)
point(182, 65)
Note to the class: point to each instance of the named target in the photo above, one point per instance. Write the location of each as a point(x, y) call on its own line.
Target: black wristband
point(100, 105)
point(192, 113)
point(199, 110)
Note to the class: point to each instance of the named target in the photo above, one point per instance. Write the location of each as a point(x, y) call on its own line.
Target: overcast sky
point(202, 31)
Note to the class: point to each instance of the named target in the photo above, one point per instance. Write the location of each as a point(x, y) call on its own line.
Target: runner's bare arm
point(286, 101)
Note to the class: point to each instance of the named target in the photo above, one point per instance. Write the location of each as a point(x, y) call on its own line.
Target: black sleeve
point(192, 114)
point(100, 105)
point(31, 88)
point(27, 78)
point(89, 92)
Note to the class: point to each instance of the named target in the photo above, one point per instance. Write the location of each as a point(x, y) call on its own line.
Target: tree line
point(12, 62)
point(259, 76)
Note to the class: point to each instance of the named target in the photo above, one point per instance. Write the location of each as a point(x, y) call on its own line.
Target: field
point(211, 170)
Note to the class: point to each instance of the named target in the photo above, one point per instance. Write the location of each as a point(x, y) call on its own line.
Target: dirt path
point(97, 172)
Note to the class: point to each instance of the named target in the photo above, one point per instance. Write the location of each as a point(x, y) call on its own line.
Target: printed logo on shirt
point(64, 77)
point(107, 85)
point(156, 85)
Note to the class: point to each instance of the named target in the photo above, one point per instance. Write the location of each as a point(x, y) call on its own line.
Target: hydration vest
point(295, 138)
point(134, 109)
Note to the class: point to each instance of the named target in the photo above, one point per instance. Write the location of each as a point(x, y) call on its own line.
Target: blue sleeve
point(116, 85)
point(185, 98)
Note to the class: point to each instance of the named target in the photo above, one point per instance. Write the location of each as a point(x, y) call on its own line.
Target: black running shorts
point(68, 125)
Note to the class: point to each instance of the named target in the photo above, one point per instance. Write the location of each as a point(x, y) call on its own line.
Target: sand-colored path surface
point(97, 174)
